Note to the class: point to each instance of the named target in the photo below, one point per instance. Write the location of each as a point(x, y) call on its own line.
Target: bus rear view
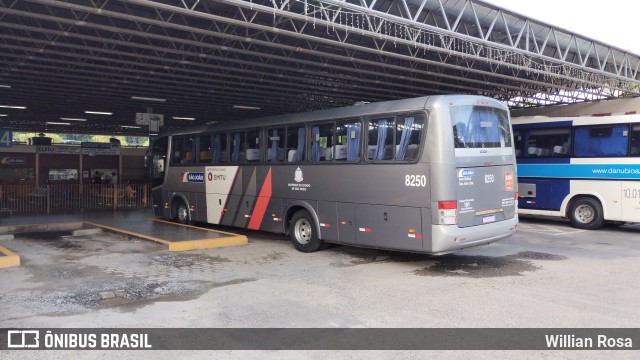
point(474, 192)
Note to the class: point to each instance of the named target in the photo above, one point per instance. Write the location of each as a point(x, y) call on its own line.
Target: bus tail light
point(515, 200)
point(447, 212)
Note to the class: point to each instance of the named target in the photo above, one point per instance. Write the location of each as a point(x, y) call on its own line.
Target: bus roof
point(578, 120)
point(413, 104)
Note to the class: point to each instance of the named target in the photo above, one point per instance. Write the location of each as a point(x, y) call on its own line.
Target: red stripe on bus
point(261, 204)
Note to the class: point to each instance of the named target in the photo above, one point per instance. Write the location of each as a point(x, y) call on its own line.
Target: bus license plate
point(488, 218)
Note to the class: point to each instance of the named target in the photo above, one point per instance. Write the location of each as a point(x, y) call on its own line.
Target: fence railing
point(61, 198)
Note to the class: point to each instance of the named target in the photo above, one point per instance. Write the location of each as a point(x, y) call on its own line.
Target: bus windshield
point(480, 127)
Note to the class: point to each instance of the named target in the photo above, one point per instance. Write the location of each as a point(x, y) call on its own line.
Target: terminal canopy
point(94, 66)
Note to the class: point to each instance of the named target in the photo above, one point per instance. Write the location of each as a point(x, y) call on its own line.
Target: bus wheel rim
point(303, 231)
point(585, 214)
point(182, 213)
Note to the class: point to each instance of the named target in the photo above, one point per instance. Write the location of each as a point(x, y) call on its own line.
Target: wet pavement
point(75, 274)
point(487, 266)
point(138, 223)
point(547, 275)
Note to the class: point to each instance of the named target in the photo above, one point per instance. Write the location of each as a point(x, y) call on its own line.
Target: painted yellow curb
point(191, 226)
point(62, 226)
point(118, 230)
point(208, 243)
point(10, 259)
point(231, 240)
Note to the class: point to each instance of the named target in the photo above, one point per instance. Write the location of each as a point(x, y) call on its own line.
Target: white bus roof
point(590, 108)
point(579, 120)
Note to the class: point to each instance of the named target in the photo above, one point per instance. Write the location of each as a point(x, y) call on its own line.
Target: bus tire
point(181, 212)
point(586, 213)
point(303, 233)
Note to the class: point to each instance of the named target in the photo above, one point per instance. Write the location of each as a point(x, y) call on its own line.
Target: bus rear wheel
point(586, 213)
point(303, 233)
point(181, 212)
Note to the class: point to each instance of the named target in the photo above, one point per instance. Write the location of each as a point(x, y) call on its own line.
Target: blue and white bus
point(586, 169)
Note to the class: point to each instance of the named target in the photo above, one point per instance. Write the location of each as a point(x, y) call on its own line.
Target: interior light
point(72, 119)
point(13, 107)
point(57, 123)
point(130, 127)
point(98, 112)
point(4, 115)
point(5, 86)
point(147, 98)
point(246, 107)
point(183, 118)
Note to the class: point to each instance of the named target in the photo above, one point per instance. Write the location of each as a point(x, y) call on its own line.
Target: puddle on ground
point(132, 298)
point(352, 256)
point(486, 266)
point(130, 295)
point(184, 260)
point(448, 265)
point(56, 239)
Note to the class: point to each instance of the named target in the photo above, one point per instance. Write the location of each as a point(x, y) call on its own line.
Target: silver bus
point(431, 175)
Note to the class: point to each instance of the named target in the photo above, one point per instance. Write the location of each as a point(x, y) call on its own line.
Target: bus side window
point(517, 137)
point(177, 152)
point(380, 145)
point(408, 135)
point(237, 147)
point(296, 136)
point(189, 150)
point(635, 140)
point(204, 149)
point(321, 142)
point(220, 148)
point(254, 146)
point(607, 140)
point(275, 144)
point(552, 142)
point(347, 141)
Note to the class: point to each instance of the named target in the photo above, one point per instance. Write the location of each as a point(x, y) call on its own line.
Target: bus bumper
point(450, 238)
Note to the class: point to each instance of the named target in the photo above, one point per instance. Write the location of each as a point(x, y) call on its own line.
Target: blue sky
point(612, 21)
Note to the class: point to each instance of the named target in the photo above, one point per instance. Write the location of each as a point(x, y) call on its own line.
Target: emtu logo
point(23, 339)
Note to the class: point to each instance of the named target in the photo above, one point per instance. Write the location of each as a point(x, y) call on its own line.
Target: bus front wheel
point(586, 213)
point(303, 233)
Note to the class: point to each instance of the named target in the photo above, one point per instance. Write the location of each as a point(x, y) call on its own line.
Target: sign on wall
point(64, 149)
point(6, 138)
point(147, 119)
point(13, 160)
